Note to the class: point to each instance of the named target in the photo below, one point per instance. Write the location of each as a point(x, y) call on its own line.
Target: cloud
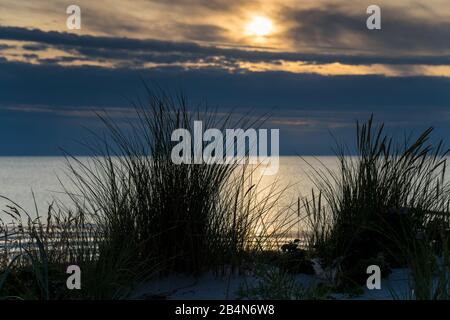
point(5, 46)
point(35, 47)
point(30, 56)
point(341, 28)
point(38, 116)
point(215, 5)
point(151, 50)
point(79, 112)
point(85, 85)
point(202, 32)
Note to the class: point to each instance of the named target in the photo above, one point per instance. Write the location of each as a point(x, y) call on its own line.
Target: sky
point(313, 65)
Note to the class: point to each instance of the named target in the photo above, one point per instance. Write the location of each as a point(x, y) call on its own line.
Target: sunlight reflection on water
point(20, 177)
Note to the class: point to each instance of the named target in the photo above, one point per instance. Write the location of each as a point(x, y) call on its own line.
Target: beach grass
point(135, 215)
point(184, 217)
point(380, 200)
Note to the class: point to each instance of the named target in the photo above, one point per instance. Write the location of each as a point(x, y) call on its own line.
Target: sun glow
point(259, 27)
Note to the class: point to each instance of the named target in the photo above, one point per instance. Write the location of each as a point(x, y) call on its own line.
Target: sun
point(259, 26)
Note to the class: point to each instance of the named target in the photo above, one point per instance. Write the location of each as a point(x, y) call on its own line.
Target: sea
point(33, 183)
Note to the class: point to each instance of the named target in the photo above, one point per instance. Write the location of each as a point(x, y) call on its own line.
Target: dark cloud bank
point(324, 103)
point(151, 50)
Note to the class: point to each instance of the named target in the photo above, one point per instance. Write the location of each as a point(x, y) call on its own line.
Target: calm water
point(20, 177)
